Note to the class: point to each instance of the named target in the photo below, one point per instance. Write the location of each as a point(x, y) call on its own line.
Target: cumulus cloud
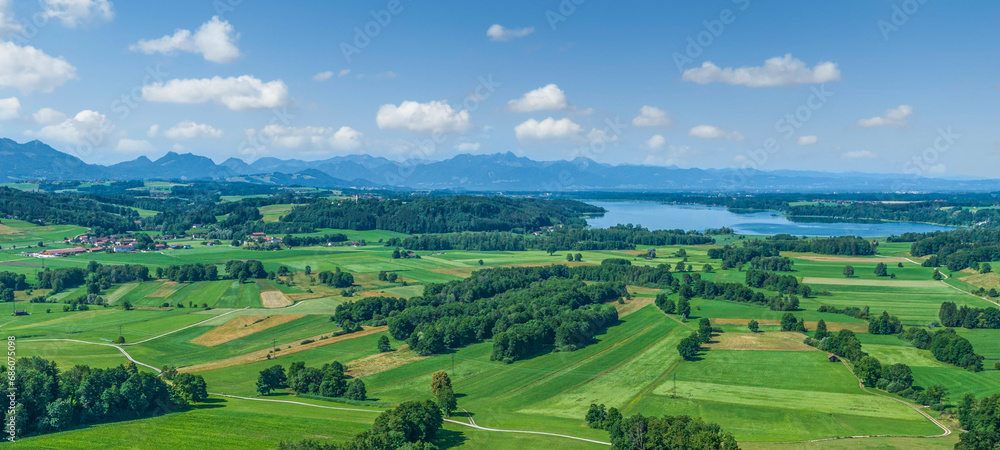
point(548, 129)
point(467, 147)
point(499, 33)
point(30, 69)
point(215, 40)
point(73, 13)
point(236, 93)
point(7, 22)
point(548, 97)
point(48, 115)
point(651, 116)
point(807, 140)
point(86, 127)
point(656, 142)
point(191, 130)
point(893, 117)
point(311, 138)
point(323, 76)
point(10, 108)
point(343, 72)
point(713, 132)
point(858, 154)
point(777, 71)
point(430, 117)
point(134, 146)
point(154, 130)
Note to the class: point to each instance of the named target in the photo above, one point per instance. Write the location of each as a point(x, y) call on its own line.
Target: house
point(832, 358)
point(258, 234)
point(159, 246)
point(123, 249)
point(20, 312)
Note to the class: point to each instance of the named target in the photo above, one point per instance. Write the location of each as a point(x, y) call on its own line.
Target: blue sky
point(878, 86)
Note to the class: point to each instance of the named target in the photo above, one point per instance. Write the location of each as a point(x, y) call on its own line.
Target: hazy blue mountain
point(493, 172)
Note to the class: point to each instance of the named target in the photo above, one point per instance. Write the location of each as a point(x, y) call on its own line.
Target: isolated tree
point(480, 262)
point(707, 268)
point(578, 257)
point(271, 378)
point(683, 307)
point(191, 387)
point(552, 250)
point(881, 270)
point(788, 322)
point(680, 253)
point(383, 344)
point(356, 390)
point(569, 257)
point(869, 370)
point(680, 266)
point(993, 293)
point(446, 400)
point(937, 275)
point(439, 381)
point(688, 347)
point(382, 276)
point(754, 326)
point(395, 253)
point(849, 271)
point(821, 330)
point(651, 253)
point(308, 270)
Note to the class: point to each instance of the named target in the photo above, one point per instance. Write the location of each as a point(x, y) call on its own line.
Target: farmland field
point(783, 390)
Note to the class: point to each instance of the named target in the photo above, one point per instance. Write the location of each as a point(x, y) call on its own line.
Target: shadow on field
point(449, 439)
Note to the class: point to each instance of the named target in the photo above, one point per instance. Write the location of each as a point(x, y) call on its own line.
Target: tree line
point(52, 400)
point(968, 316)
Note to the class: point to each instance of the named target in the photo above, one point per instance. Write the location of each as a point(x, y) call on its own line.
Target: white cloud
point(596, 135)
point(215, 40)
point(548, 97)
point(656, 142)
point(48, 115)
point(191, 130)
point(85, 127)
point(548, 129)
point(323, 76)
point(807, 140)
point(236, 93)
point(893, 117)
point(29, 69)
point(430, 117)
point(311, 138)
point(7, 22)
point(467, 147)
point(777, 71)
point(857, 154)
point(651, 116)
point(499, 33)
point(73, 13)
point(134, 146)
point(669, 156)
point(154, 130)
point(713, 132)
point(178, 147)
point(10, 108)
point(343, 72)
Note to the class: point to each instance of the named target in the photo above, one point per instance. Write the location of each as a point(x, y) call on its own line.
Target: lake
point(657, 216)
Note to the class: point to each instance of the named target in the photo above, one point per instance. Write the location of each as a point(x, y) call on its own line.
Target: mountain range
point(494, 172)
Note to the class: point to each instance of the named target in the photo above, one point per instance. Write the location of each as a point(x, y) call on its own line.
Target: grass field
point(764, 387)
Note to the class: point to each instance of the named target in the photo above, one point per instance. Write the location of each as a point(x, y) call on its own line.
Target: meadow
point(766, 389)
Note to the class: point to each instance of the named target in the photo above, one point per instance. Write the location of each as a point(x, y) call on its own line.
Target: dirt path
point(261, 355)
point(98, 343)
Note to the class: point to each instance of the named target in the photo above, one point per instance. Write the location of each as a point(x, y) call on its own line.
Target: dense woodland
point(441, 214)
point(51, 400)
point(44, 209)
